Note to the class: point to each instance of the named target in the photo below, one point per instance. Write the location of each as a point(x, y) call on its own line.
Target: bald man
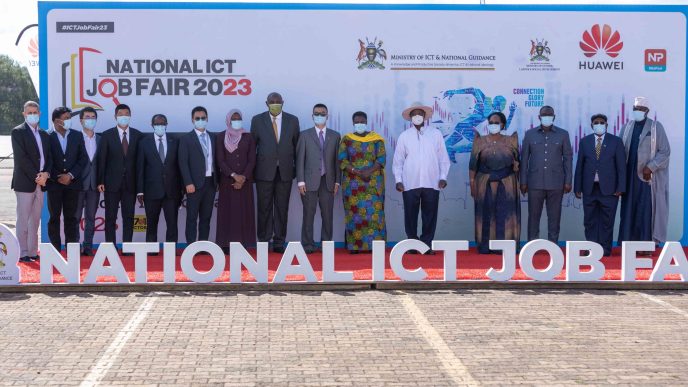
point(276, 134)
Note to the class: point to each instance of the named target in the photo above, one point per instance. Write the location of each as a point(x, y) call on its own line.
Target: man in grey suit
point(546, 173)
point(318, 176)
point(89, 197)
point(276, 134)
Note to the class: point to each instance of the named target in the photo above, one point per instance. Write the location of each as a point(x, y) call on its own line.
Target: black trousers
point(170, 206)
point(113, 201)
point(199, 210)
point(599, 213)
point(63, 202)
point(273, 209)
point(427, 199)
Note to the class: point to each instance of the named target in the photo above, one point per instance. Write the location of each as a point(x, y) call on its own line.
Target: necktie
point(322, 152)
point(598, 147)
point(161, 150)
point(204, 144)
point(274, 128)
point(125, 143)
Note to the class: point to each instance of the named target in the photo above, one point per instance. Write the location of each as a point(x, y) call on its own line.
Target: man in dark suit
point(276, 134)
point(158, 182)
point(89, 196)
point(117, 174)
point(318, 176)
point(197, 168)
point(32, 166)
point(69, 158)
point(600, 180)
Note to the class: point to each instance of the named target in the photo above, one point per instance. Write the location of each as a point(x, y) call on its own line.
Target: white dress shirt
point(123, 133)
point(278, 120)
point(164, 143)
point(209, 159)
point(420, 159)
point(37, 136)
point(90, 144)
point(63, 139)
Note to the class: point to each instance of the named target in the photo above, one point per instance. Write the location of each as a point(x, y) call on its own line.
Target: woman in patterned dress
point(494, 185)
point(362, 157)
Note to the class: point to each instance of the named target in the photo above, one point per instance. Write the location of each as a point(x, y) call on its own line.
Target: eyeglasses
point(200, 118)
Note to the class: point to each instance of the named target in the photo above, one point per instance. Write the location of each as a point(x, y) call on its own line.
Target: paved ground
point(365, 338)
point(345, 338)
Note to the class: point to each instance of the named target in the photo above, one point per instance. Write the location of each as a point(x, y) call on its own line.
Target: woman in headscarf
point(362, 156)
point(235, 154)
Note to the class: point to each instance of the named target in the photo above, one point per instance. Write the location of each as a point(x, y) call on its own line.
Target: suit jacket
point(115, 170)
point(270, 153)
point(72, 160)
point(192, 161)
point(156, 179)
point(610, 168)
point(546, 159)
point(89, 175)
point(27, 158)
point(309, 156)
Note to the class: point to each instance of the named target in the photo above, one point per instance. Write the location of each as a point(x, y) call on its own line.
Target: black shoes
point(25, 259)
point(278, 249)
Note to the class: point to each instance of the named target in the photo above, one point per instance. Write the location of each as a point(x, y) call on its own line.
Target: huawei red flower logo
point(33, 48)
point(601, 38)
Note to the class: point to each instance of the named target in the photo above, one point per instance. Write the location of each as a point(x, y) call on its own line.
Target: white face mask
point(67, 124)
point(599, 129)
point(417, 120)
point(638, 115)
point(494, 128)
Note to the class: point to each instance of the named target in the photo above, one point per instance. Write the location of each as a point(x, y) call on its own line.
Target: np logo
point(655, 59)
point(539, 52)
point(369, 52)
point(601, 38)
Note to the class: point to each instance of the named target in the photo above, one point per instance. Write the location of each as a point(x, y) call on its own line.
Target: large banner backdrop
point(465, 61)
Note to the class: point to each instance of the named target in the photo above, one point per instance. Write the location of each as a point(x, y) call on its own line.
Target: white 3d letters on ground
point(583, 261)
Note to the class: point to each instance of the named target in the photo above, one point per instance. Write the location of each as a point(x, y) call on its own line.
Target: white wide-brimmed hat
point(417, 105)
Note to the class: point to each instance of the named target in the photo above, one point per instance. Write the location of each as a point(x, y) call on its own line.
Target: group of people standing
point(160, 169)
point(632, 167)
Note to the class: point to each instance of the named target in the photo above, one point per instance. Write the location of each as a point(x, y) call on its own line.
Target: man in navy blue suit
point(600, 179)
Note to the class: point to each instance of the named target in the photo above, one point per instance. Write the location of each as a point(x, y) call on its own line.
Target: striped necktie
point(598, 147)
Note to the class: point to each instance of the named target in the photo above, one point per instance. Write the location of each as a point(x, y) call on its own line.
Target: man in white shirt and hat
point(645, 206)
point(421, 165)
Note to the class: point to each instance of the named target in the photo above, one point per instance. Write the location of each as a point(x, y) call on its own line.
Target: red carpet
point(470, 266)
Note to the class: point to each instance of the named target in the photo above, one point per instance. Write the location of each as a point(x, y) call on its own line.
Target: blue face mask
point(360, 128)
point(200, 124)
point(599, 129)
point(123, 120)
point(89, 123)
point(159, 130)
point(546, 120)
point(237, 124)
point(32, 119)
point(638, 115)
point(319, 120)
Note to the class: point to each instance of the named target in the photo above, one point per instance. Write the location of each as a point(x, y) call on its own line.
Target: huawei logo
point(600, 38)
point(33, 48)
